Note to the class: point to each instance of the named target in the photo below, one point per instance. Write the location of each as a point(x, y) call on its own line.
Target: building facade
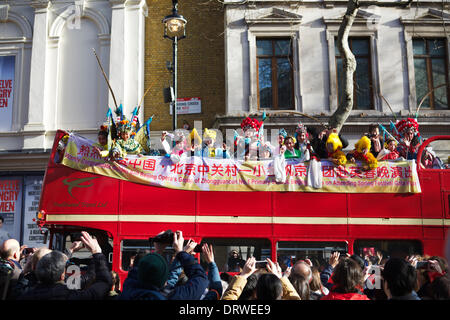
point(281, 57)
point(50, 80)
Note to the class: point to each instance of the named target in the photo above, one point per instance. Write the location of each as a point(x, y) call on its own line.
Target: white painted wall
point(61, 85)
point(78, 94)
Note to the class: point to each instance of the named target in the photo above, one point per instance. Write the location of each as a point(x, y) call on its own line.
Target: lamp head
point(174, 24)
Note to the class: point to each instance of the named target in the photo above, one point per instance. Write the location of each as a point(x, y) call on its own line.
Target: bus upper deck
point(281, 225)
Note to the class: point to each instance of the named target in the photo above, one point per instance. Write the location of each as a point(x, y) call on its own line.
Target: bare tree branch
point(342, 112)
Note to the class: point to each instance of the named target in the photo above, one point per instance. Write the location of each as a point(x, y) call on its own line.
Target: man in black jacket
point(154, 279)
point(51, 269)
point(318, 141)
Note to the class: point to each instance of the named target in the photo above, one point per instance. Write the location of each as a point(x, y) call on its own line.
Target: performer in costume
point(334, 148)
point(195, 143)
point(303, 143)
point(363, 154)
point(314, 173)
point(61, 148)
point(209, 150)
point(181, 148)
point(102, 145)
point(125, 144)
point(407, 131)
point(319, 141)
point(389, 152)
point(288, 150)
point(248, 146)
point(430, 160)
point(282, 134)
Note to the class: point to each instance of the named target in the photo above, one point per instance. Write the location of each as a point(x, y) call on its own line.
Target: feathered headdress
point(363, 143)
point(404, 125)
point(124, 126)
point(249, 123)
point(301, 128)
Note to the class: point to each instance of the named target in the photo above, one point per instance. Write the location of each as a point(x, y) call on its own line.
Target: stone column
point(126, 68)
point(117, 53)
point(36, 111)
point(136, 11)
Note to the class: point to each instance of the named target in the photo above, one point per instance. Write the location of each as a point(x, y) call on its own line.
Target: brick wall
point(201, 70)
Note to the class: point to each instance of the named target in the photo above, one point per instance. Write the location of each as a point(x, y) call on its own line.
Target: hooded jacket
point(193, 289)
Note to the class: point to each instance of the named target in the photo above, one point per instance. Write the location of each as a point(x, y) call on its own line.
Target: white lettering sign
point(188, 105)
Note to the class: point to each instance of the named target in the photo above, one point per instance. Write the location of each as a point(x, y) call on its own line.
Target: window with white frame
point(431, 78)
point(362, 77)
point(274, 51)
point(275, 73)
point(427, 57)
point(363, 43)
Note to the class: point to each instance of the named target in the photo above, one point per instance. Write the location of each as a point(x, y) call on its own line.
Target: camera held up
point(167, 237)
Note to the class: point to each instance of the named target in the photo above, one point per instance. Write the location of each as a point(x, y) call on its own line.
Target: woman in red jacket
point(348, 282)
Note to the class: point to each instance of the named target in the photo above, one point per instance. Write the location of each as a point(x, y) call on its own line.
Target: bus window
point(130, 249)
point(64, 238)
point(319, 252)
point(81, 257)
point(388, 248)
point(230, 254)
point(133, 249)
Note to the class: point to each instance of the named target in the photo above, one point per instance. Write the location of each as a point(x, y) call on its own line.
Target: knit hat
point(153, 270)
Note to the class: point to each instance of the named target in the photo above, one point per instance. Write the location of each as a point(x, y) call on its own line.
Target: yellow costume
point(337, 156)
point(367, 158)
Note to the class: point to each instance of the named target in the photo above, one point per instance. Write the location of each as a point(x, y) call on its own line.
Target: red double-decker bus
point(284, 226)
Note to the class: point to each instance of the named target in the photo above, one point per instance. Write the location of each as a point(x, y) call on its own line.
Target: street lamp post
point(174, 29)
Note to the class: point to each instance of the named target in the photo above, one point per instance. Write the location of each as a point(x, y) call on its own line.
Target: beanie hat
point(153, 270)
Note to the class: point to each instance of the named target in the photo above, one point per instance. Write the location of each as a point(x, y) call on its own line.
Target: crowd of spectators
point(44, 274)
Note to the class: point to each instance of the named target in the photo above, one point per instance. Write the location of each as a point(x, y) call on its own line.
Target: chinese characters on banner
point(207, 174)
point(7, 67)
point(32, 235)
point(10, 207)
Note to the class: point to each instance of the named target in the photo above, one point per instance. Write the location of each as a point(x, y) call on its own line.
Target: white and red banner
point(208, 174)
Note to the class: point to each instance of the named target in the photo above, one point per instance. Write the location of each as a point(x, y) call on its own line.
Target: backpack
point(6, 273)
